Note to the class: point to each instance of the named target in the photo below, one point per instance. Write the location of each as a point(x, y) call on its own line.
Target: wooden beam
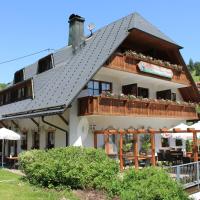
point(64, 120)
point(3, 124)
point(121, 152)
point(95, 140)
point(17, 126)
point(195, 145)
point(152, 137)
point(106, 141)
point(136, 152)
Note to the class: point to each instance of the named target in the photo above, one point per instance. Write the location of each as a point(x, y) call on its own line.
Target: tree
point(191, 65)
point(2, 86)
point(197, 68)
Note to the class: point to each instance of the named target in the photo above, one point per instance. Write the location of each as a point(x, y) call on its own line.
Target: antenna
point(90, 27)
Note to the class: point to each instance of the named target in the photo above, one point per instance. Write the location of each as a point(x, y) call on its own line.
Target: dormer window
point(19, 76)
point(45, 64)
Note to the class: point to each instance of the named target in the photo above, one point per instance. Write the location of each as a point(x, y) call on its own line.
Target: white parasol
point(6, 134)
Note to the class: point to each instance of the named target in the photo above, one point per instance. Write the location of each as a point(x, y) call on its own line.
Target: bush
point(88, 168)
point(150, 184)
point(74, 167)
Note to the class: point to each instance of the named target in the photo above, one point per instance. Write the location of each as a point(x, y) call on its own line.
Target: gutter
point(36, 113)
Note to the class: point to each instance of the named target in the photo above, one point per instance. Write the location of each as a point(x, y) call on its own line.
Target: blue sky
point(33, 25)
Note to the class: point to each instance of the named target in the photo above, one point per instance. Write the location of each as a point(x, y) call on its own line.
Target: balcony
point(135, 107)
point(129, 63)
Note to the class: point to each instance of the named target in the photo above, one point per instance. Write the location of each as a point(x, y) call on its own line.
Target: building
point(126, 74)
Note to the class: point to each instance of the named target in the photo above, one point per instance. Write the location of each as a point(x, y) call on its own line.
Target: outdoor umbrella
point(6, 134)
point(183, 136)
point(196, 126)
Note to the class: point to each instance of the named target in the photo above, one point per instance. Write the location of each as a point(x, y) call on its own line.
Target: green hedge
point(149, 184)
point(77, 167)
point(74, 167)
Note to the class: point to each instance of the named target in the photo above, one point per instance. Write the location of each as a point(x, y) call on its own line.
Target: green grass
point(13, 188)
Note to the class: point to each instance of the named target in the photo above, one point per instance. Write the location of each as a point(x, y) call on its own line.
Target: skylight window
point(45, 64)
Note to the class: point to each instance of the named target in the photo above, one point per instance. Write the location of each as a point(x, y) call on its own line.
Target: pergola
point(135, 133)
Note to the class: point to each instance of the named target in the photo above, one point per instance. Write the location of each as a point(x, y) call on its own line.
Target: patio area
point(137, 147)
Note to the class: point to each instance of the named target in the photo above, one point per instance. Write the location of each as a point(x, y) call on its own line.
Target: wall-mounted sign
point(154, 69)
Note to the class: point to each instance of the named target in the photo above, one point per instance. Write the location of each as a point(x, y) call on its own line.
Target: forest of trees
point(194, 67)
point(2, 86)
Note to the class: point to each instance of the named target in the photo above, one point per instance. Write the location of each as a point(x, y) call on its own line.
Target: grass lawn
point(13, 188)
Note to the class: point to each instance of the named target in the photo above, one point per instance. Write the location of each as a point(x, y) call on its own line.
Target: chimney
point(76, 31)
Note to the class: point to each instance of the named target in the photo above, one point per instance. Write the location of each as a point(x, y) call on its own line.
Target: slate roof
point(60, 85)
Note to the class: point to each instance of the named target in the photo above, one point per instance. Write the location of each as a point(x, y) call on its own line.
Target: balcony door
point(133, 89)
point(166, 94)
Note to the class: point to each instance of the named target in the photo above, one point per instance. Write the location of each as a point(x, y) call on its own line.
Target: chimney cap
point(73, 17)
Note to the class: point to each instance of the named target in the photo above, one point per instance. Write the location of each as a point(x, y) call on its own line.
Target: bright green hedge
point(150, 184)
point(74, 167)
point(77, 167)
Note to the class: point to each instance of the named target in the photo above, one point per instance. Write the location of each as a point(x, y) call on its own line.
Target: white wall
point(118, 79)
point(28, 126)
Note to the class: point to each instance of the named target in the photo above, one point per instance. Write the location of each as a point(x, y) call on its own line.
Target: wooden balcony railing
point(129, 64)
point(138, 108)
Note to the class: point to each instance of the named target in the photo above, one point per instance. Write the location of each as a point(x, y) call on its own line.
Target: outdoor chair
point(160, 156)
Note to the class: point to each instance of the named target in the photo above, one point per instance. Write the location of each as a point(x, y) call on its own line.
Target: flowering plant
point(153, 60)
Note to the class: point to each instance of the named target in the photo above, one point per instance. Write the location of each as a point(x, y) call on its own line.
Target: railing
point(123, 107)
point(129, 64)
point(186, 174)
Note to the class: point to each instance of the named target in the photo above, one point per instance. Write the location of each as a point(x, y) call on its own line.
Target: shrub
point(74, 167)
point(150, 184)
point(88, 168)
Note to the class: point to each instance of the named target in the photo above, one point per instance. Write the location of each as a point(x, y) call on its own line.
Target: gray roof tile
point(60, 85)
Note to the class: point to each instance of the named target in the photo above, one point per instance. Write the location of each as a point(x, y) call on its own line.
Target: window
point(165, 142)
point(50, 140)
point(24, 141)
point(143, 92)
point(17, 92)
point(45, 64)
point(173, 97)
point(133, 89)
point(36, 140)
point(97, 87)
point(178, 142)
point(19, 76)
point(166, 94)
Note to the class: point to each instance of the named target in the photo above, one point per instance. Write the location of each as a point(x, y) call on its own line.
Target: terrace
point(124, 146)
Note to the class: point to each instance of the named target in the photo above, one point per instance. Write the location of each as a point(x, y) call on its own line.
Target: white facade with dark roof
point(56, 91)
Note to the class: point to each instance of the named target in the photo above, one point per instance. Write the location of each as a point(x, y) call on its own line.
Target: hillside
point(2, 86)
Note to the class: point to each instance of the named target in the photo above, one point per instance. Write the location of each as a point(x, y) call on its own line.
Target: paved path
point(195, 196)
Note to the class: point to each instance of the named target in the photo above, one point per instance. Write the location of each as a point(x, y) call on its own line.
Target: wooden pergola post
point(121, 151)
point(106, 141)
point(152, 138)
point(95, 140)
point(195, 145)
point(136, 151)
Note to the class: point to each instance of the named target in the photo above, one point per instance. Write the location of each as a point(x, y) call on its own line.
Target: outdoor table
point(12, 161)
